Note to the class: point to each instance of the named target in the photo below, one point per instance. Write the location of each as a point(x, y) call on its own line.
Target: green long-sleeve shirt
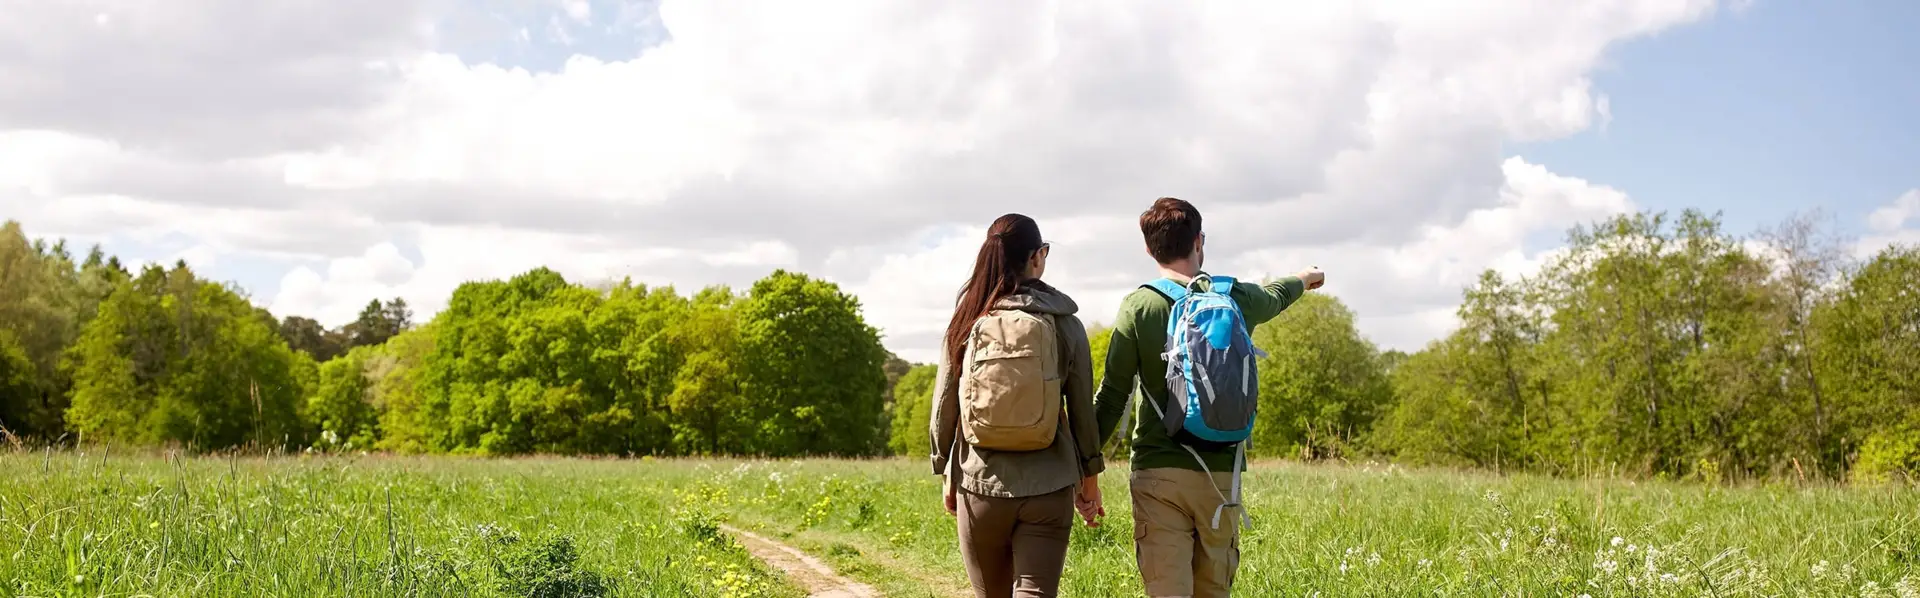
point(1139, 337)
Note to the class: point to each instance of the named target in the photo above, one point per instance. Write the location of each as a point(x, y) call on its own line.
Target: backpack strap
point(1222, 284)
point(1173, 291)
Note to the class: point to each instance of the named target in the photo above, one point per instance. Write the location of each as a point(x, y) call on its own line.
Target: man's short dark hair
point(1171, 227)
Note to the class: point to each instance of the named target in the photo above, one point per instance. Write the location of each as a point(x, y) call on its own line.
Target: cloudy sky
point(325, 152)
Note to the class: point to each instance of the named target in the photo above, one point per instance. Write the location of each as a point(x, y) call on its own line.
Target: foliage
point(308, 336)
point(1320, 384)
point(543, 569)
point(17, 391)
point(172, 358)
point(394, 372)
point(912, 410)
point(341, 405)
point(710, 413)
point(45, 299)
point(378, 322)
point(1668, 347)
point(1655, 345)
point(810, 368)
point(1868, 337)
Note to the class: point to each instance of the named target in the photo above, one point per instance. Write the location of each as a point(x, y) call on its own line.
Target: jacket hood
point(1039, 297)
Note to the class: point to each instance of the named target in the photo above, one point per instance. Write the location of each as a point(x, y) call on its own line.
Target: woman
point(1015, 507)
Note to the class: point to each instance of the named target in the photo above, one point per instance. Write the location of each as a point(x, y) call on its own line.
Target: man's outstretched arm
point(1262, 302)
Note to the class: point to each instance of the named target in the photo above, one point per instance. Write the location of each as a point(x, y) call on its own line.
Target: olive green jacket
point(1075, 452)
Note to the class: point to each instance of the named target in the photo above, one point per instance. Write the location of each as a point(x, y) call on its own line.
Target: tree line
point(1652, 345)
point(92, 352)
point(1666, 345)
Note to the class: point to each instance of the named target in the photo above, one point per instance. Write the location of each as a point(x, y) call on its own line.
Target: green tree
point(378, 322)
point(912, 410)
point(812, 369)
point(395, 371)
point(306, 335)
point(40, 313)
point(1435, 417)
point(710, 416)
point(18, 392)
point(536, 364)
point(171, 358)
point(341, 406)
point(1869, 347)
point(1320, 385)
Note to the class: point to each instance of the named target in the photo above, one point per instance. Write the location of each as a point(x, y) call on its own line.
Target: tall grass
point(1387, 531)
point(82, 524)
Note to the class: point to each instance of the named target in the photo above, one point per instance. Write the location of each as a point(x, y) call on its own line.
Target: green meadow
point(95, 524)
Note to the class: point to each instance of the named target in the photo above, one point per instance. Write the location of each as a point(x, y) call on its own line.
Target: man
point(1179, 549)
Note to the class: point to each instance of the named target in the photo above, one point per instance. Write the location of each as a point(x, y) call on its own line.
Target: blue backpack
point(1213, 385)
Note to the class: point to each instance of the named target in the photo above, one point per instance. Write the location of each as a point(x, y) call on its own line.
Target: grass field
point(85, 524)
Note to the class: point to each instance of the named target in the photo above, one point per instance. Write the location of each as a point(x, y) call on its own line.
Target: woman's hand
point(1087, 500)
point(946, 486)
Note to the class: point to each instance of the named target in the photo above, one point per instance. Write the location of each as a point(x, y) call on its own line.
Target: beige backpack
point(1010, 393)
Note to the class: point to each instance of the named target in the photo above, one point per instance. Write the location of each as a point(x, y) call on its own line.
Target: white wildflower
point(1617, 541)
point(1819, 570)
point(1343, 567)
point(1907, 588)
point(1373, 559)
point(1428, 564)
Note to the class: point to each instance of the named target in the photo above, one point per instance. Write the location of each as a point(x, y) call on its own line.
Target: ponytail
point(998, 270)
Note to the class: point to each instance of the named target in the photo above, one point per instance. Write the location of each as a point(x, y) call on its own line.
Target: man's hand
point(1087, 501)
point(1313, 277)
point(946, 488)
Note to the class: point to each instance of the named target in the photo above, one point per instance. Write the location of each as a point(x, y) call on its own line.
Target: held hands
point(1086, 500)
point(1313, 277)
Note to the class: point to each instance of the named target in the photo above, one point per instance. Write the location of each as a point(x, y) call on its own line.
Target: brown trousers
point(1179, 551)
point(1015, 546)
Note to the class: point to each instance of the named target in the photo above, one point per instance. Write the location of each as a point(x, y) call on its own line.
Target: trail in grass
point(806, 571)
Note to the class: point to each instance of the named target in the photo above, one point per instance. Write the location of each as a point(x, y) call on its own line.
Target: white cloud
point(1897, 223)
point(579, 10)
point(865, 142)
point(1893, 216)
point(211, 78)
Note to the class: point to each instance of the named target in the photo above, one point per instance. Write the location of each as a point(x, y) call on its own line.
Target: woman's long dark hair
point(997, 272)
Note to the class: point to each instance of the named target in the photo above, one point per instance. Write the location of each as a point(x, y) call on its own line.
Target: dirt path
point(811, 573)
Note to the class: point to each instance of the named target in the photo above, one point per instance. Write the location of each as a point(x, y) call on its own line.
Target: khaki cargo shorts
point(1179, 552)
